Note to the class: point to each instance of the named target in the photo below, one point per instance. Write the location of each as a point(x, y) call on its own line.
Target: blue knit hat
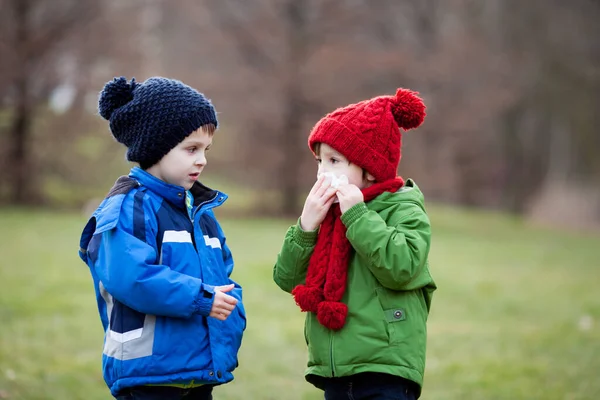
point(153, 117)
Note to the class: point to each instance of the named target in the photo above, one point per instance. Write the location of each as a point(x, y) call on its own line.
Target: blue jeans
point(365, 388)
point(166, 393)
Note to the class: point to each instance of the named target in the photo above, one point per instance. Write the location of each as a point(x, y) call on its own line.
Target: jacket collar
point(176, 194)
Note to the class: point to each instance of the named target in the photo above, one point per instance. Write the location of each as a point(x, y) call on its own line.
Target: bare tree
point(33, 31)
point(276, 40)
point(511, 87)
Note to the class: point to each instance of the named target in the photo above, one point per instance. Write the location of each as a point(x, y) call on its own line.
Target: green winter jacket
point(388, 292)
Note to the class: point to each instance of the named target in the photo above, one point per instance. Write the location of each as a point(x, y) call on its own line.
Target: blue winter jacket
point(154, 269)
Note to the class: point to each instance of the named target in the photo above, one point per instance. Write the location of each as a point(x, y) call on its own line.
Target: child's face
point(184, 163)
point(332, 161)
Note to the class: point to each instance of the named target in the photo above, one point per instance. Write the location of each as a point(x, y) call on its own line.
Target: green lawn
point(516, 316)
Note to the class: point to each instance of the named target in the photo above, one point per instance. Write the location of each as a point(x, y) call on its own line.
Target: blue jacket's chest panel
point(176, 242)
point(191, 247)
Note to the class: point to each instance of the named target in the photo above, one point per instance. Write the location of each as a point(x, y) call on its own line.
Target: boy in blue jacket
point(173, 319)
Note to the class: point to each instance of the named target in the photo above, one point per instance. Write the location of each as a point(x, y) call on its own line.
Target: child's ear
point(370, 178)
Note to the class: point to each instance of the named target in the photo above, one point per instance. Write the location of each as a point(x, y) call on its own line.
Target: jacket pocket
point(394, 314)
point(232, 332)
point(307, 327)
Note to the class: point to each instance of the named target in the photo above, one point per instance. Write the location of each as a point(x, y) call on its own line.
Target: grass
point(516, 316)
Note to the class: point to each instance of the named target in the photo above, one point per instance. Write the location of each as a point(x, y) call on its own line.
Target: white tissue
point(336, 181)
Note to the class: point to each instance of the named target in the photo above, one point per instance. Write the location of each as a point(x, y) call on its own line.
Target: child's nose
point(201, 160)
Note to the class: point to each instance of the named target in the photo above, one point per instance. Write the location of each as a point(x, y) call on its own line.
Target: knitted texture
point(151, 118)
point(368, 134)
point(328, 265)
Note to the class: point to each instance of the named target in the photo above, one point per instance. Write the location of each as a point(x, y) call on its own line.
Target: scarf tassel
point(308, 298)
point(332, 314)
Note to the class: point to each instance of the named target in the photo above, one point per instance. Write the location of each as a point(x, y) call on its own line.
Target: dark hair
point(208, 128)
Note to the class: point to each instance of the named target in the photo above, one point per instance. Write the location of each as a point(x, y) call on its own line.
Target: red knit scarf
point(328, 265)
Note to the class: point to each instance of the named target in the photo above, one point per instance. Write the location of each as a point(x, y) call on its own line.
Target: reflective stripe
point(177, 237)
point(128, 345)
point(212, 242)
point(127, 336)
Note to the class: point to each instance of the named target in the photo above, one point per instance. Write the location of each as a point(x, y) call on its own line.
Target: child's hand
point(318, 201)
point(223, 304)
point(348, 196)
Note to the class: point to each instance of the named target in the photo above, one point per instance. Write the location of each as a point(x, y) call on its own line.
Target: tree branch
point(229, 18)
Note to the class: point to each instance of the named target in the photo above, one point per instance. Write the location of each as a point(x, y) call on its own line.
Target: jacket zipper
point(331, 353)
point(195, 211)
point(199, 206)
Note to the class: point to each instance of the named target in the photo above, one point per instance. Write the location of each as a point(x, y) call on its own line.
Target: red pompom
point(307, 298)
point(408, 109)
point(332, 314)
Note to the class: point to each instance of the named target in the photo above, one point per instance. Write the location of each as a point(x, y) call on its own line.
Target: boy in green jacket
point(357, 260)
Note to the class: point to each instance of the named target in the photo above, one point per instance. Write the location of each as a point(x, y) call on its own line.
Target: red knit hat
point(367, 133)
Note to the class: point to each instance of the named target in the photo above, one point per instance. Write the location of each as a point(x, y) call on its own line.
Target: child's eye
point(318, 160)
point(333, 160)
point(192, 149)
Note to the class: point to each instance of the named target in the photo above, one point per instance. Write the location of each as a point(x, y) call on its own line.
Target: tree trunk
point(289, 172)
point(513, 163)
point(151, 49)
point(18, 164)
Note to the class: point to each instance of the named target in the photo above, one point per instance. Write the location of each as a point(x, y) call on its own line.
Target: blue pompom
point(115, 94)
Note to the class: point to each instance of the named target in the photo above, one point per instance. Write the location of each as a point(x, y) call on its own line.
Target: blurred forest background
point(507, 159)
point(512, 89)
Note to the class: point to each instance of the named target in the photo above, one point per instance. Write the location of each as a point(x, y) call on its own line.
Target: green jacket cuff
point(354, 213)
point(305, 238)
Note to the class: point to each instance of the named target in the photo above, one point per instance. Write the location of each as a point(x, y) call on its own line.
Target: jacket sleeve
point(127, 267)
point(228, 261)
point(397, 254)
point(292, 261)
